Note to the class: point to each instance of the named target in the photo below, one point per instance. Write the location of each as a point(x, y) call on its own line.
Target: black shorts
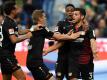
point(61, 69)
point(8, 62)
point(73, 66)
point(86, 71)
point(38, 69)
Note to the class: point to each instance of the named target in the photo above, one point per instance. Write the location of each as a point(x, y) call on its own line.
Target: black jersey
point(9, 27)
point(81, 47)
point(36, 43)
point(78, 46)
point(82, 44)
point(64, 27)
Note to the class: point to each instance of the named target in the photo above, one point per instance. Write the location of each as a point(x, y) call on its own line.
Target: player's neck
point(40, 23)
point(78, 24)
point(11, 16)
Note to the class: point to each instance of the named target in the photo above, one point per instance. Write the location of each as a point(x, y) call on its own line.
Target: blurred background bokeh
point(54, 9)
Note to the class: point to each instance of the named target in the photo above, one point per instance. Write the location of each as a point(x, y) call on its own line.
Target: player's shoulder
point(7, 22)
point(91, 26)
point(62, 22)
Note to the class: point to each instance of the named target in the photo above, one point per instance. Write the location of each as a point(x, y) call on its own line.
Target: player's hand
point(75, 35)
point(29, 35)
point(70, 32)
point(38, 27)
point(45, 52)
point(27, 30)
point(95, 55)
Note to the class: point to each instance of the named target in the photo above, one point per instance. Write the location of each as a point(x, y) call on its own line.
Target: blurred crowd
point(54, 9)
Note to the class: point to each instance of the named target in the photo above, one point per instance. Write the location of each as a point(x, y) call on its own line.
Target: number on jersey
point(1, 36)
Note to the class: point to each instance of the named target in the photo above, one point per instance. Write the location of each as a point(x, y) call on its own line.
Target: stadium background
point(96, 14)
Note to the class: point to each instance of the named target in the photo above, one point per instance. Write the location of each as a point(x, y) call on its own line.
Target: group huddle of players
point(75, 40)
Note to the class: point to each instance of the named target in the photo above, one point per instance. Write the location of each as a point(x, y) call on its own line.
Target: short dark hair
point(1, 10)
point(82, 11)
point(8, 7)
point(71, 5)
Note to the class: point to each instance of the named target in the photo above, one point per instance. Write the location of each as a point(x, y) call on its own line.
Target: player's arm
point(52, 48)
point(93, 42)
point(73, 36)
point(15, 39)
point(21, 32)
point(33, 28)
point(93, 46)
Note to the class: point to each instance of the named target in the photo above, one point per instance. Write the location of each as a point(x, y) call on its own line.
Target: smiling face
point(69, 11)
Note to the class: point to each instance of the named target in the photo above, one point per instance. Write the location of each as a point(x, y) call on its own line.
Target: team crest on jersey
point(11, 31)
point(56, 29)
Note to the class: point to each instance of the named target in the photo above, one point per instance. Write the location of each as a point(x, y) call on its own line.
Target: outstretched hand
point(38, 27)
point(96, 56)
point(45, 52)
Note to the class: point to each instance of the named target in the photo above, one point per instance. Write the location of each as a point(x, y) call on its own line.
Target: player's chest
point(67, 26)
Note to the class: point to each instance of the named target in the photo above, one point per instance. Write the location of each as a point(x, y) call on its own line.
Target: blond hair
point(36, 15)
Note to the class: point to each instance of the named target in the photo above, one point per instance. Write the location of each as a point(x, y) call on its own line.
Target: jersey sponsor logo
point(11, 31)
point(82, 32)
point(79, 40)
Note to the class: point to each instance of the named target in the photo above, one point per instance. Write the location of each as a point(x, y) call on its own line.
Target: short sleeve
point(60, 26)
point(9, 28)
point(47, 34)
point(91, 33)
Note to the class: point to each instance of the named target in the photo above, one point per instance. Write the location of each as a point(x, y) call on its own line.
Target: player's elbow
point(14, 41)
point(57, 36)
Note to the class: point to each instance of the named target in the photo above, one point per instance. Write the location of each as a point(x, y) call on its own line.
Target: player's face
point(16, 11)
point(76, 17)
point(69, 11)
point(43, 19)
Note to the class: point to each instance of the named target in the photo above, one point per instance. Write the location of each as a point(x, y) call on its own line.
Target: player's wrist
point(95, 52)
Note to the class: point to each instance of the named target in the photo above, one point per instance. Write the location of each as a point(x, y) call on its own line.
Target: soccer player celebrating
point(83, 49)
point(8, 39)
point(34, 58)
point(62, 65)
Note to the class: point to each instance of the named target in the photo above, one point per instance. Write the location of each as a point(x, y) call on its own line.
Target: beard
point(75, 21)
